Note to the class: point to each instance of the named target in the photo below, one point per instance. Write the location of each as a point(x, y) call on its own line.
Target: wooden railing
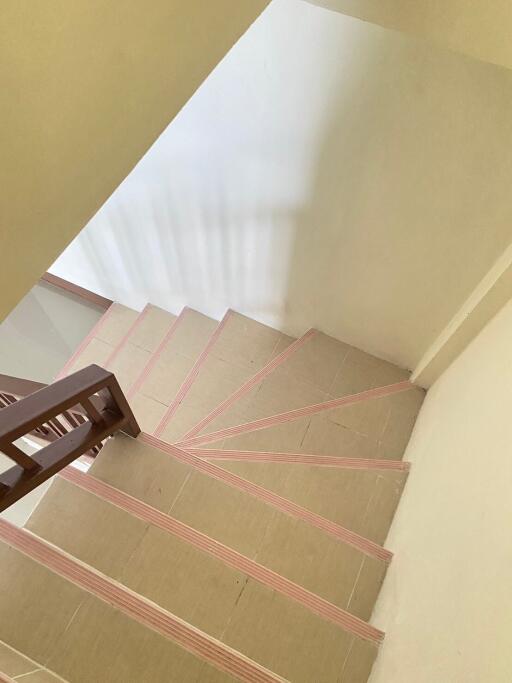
point(74, 414)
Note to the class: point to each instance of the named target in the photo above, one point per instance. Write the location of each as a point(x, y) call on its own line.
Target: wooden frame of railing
point(106, 411)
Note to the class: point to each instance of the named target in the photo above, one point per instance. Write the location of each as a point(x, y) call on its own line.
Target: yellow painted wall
point(86, 86)
point(446, 603)
point(479, 29)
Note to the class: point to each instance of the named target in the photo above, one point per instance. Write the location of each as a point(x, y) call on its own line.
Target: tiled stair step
point(131, 355)
point(238, 349)
point(14, 666)
point(322, 369)
point(363, 500)
point(102, 340)
point(375, 423)
point(293, 547)
point(155, 394)
point(87, 627)
point(220, 599)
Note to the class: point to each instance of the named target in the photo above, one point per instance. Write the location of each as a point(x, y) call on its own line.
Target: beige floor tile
point(152, 329)
point(281, 392)
point(247, 343)
point(96, 351)
point(359, 662)
point(102, 644)
point(382, 506)
point(183, 419)
point(167, 376)
point(211, 675)
point(318, 361)
point(193, 333)
point(36, 605)
point(361, 500)
point(285, 438)
point(147, 411)
point(286, 637)
point(224, 513)
point(326, 437)
point(369, 417)
point(13, 663)
point(184, 580)
point(92, 530)
point(143, 472)
point(361, 371)
point(128, 364)
point(404, 408)
point(369, 582)
point(311, 558)
point(117, 324)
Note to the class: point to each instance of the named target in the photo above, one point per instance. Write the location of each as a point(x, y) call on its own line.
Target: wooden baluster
point(19, 457)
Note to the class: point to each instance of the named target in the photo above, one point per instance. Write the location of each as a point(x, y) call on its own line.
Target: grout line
point(363, 544)
point(289, 416)
point(300, 459)
point(84, 343)
point(249, 384)
point(191, 376)
point(147, 369)
point(116, 350)
point(136, 607)
point(39, 666)
point(225, 554)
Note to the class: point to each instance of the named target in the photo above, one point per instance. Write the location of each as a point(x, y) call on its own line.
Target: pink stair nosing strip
point(251, 382)
point(315, 603)
point(301, 459)
point(4, 678)
point(138, 320)
point(84, 343)
point(137, 607)
point(339, 532)
point(156, 355)
point(191, 377)
point(291, 415)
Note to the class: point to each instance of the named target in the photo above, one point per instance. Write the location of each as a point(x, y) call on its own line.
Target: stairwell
point(241, 536)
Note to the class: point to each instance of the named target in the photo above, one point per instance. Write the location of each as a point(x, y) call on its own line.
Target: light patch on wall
point(328, 173)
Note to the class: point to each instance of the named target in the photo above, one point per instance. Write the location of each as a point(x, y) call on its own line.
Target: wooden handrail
point(18, 386)
point(105, 410)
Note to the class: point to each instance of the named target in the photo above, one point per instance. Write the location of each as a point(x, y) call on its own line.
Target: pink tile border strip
point(4, 678)
point(301, 459)
point(85, 342)
point(252, 382)
point(138, 320)
point(363, 544)
point(136, 607)
point(291, 415)
point(191, 377)
point(156, 355)
point(315, 603)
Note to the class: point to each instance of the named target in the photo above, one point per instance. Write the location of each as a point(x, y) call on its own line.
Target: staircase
point(239, 537)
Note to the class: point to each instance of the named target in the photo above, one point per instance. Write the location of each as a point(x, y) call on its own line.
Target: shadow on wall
point(329, 173)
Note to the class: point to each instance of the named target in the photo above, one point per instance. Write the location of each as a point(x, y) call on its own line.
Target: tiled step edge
point(296, 414)
point(117, 349)
point(363, 544)
point(249, 384)
point(136, 607)
point(84, 343)
point(191, 377)
point(145, 512)
point(300, 459)
point(146, 371)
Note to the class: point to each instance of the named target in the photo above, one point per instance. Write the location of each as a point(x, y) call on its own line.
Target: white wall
point(446, 604)
point(328, 173)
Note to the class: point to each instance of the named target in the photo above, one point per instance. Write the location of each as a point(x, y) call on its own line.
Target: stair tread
point(256, 625)
point(322, 369)
point(243, 347)
point(237, 519)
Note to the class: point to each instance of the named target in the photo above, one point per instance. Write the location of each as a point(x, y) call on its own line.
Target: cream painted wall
point(328, 173)
point(479, 29)
point(85, 88)
point(446, 604)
